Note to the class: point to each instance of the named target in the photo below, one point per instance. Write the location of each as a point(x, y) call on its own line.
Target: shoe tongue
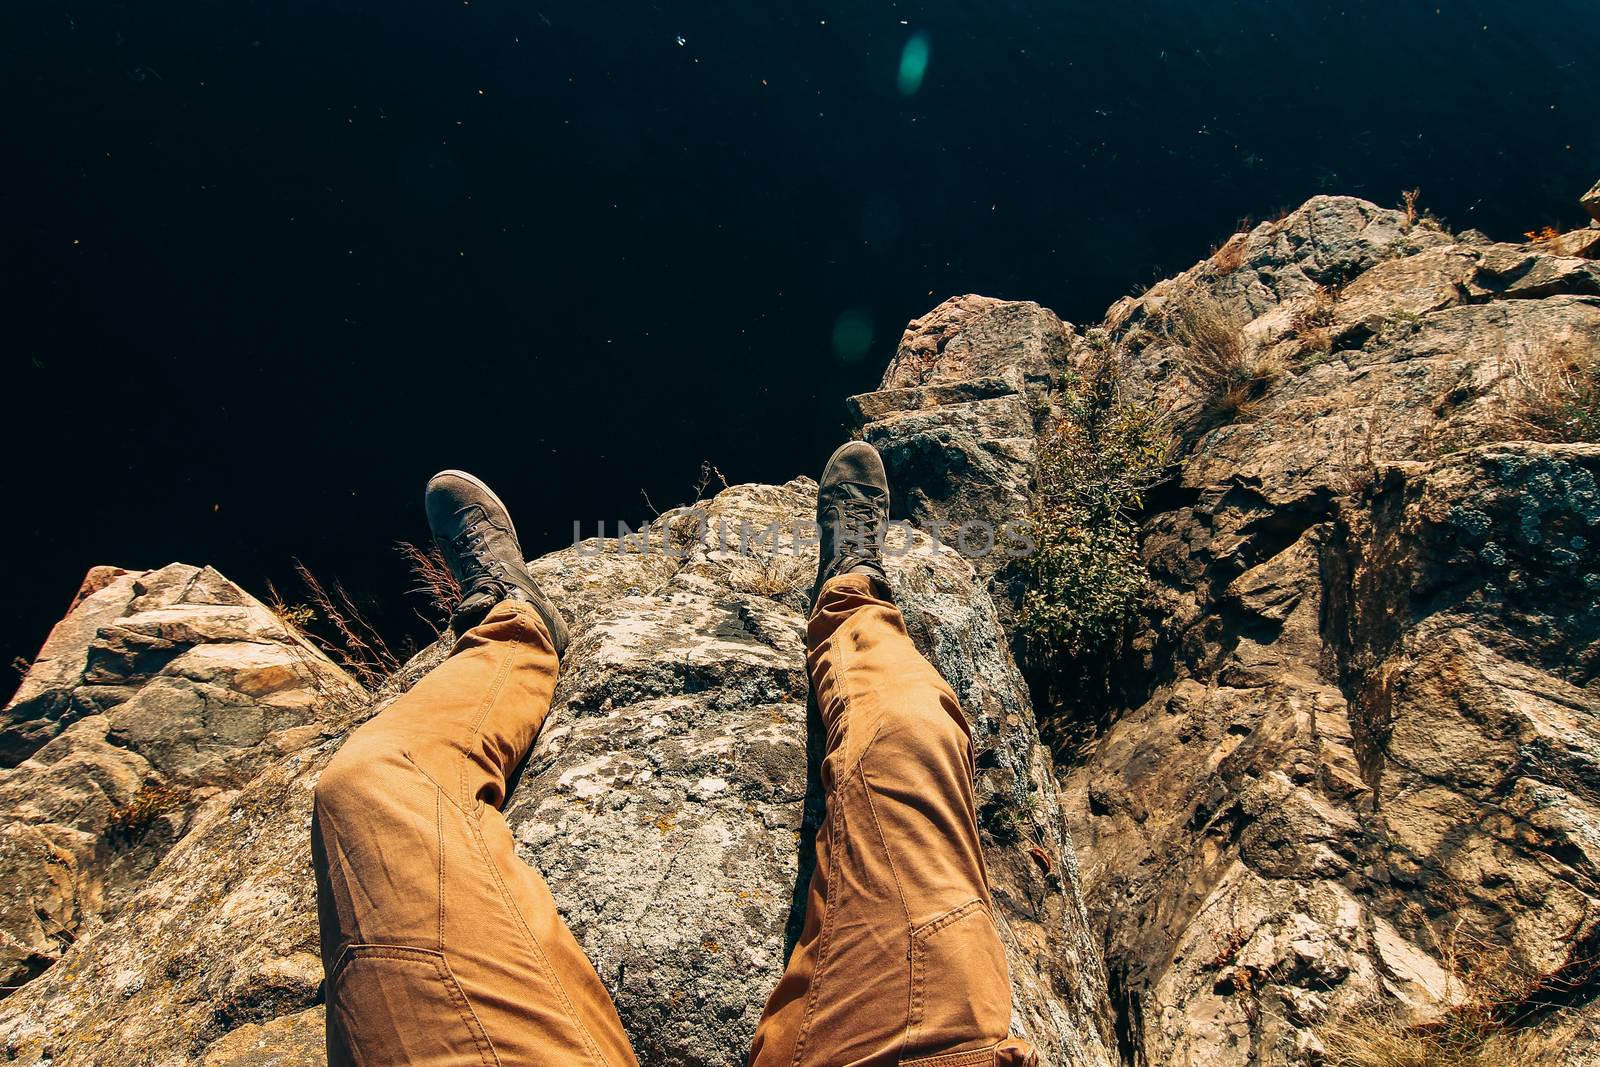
point(472, 609)
point(854, 493)
point(480, 599)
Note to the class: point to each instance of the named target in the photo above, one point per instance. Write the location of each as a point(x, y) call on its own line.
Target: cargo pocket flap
point(960, 988)
point(393, 1004)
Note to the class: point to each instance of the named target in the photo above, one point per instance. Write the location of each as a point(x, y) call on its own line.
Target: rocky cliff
point(666, 802)
point(1343, 765)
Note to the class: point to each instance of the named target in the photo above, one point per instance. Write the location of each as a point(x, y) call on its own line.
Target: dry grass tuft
point(433, 578)
point(1500, 1015)
point(1320, 309)
point(1409, 200)
point(1314, 320)
point(709, 475)
point(350, 640)
point(1360, 465)
point(129, 822)
point(1233, 375)
point(1556, 398)
point(774, 575)
point(1229, 257)
point(1379, 1038)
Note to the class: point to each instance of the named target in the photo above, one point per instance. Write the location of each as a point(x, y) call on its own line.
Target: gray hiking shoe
point(853, 514)
point(473, 530)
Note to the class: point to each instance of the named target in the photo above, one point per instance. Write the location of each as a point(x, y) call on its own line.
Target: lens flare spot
point(852, 335)
point(913, 64)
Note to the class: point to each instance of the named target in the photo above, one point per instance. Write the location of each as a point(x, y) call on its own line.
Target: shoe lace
point(858, 517)
point(471, 547)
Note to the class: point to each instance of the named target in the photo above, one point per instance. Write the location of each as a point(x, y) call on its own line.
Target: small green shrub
point(1397, 326)
point(1096, 461)
point(295, 616)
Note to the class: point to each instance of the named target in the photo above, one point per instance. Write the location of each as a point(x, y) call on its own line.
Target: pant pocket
point(1012, 1052)
point(388, 1004)
point(960, 988)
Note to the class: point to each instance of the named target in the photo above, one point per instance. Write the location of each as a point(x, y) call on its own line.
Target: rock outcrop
point(1371, 649)
point(1354, 762)
point(1348, 758)
point(665, 802)
point(957, 416)
point(155, 699)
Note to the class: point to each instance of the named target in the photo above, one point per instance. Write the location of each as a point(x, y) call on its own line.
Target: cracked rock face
point(1373, 635)
point(1359, 715)
point(160, 694)
point(666, 802)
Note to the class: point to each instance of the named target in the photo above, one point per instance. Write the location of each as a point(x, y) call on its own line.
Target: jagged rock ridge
point(1358, 730)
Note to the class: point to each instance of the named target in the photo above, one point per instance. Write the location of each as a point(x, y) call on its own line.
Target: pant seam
point(957, 1059)
point(824, 942)
point(877, 827)
point(905, 909)
point(527, 932)
point(824, 939)
point(486, 1050)
point(439, 790)
point(438, 829)
point(501, 674)
point(918, 991)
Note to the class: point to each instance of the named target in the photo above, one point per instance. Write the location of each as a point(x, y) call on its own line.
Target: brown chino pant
point(441, 947)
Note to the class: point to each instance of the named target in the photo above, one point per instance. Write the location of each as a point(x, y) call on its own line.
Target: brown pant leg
point(440, 946)
point(899, 958)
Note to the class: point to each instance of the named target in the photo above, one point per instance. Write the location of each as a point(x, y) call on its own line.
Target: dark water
point(268, 265)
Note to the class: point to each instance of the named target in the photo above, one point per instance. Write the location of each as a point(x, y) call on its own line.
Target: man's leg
point(440, 946)
point(899, 958)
